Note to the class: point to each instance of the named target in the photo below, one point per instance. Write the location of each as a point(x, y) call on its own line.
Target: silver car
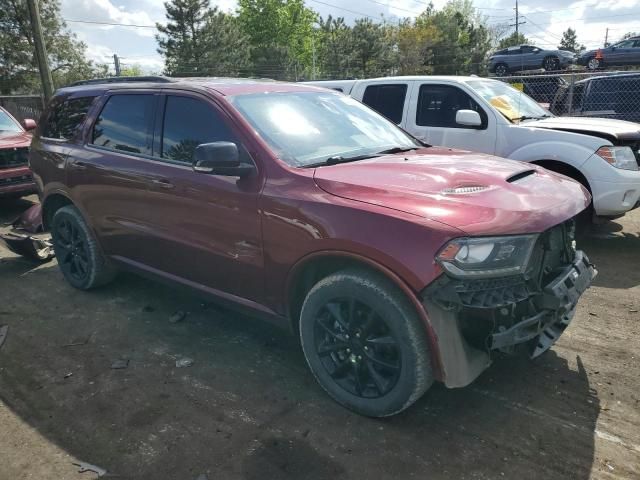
point(528, 57)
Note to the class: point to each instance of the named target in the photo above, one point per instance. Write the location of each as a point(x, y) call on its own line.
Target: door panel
point(432, 113)
point(202, 228)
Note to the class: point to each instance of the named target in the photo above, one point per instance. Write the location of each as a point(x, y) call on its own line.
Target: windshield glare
point(305, 128)
point(512, 103)
point(8, 124)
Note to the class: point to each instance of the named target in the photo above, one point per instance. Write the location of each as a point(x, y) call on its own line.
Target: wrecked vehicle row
point(398, 264)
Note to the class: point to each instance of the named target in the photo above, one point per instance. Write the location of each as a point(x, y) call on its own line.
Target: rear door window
point(65, 116)
point(602, 96)
point(628, 98)
point(387, 99)
point(126, 124)
point(189, 122)
point(438, 105)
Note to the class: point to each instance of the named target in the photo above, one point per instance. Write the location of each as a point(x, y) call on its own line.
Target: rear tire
point(594, 64)
point(501, 70)
point(364, 343)
point(80, 259)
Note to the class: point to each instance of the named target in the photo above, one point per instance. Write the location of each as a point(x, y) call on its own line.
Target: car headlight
point(619, 157)
point(484, 257)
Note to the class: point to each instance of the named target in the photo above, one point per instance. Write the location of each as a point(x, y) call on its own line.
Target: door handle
point(162, 183)
point(78, 165)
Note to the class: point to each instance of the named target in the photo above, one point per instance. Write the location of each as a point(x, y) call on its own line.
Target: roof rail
point(97, 81)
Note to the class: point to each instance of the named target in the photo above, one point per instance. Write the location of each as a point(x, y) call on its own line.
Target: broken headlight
point(484, 257)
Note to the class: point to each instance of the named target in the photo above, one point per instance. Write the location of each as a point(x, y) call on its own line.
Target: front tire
point(80, 259)
point(594, 64)
point(501, 70)
point(551, 64)
point(365, 343)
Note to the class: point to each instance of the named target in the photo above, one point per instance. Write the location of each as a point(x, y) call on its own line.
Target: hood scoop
point(520, 176)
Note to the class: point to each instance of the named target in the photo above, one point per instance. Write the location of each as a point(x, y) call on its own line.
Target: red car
point(15, 176)
point(396, 263)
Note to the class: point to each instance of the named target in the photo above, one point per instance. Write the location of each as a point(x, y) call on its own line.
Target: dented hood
point(599, 127)
point(479, 194)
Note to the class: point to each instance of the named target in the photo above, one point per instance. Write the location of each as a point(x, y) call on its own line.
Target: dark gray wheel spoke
point(383, 341)
point(330, 331)
point(357, 366)
point(382, 363)
point(329, 348)
point(66, 257)
point(378, 380)
point(341, 369)
point(334, 310)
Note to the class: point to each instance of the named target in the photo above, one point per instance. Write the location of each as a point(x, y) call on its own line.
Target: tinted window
point(188, 122)
point(602, 94)
point(387, 100)
point(65, 116)
point(628, 100)
point(125, 123)
point(438, 105)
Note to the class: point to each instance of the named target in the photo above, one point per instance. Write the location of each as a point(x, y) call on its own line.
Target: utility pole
point(606, 38)
point(518, 22)
point(116, 63)
point(41, 50)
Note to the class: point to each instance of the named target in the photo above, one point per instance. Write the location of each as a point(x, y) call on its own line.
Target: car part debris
point(177, 316)
point(3, 333)
point(27, 238)
point(120, 364)
point(67, 375)
point(184, 362)
point(87, 467)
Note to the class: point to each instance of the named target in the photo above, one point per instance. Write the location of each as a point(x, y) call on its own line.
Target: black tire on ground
point(79, 257)
point(365, 343)
point(551, 64)
point(501, 70)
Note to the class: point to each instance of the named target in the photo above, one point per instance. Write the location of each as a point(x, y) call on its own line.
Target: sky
point(545, 21)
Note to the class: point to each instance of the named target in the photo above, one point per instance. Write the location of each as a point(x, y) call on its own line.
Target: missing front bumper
point(513, 313)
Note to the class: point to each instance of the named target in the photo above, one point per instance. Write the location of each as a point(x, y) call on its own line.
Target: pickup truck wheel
point(79, 257)
point(501, 70)
point(364, 343)
point(551, 64)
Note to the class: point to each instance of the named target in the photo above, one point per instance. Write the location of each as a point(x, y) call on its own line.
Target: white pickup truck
point(490, 116)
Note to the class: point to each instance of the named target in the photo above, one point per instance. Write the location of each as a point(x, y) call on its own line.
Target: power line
point(91, 22)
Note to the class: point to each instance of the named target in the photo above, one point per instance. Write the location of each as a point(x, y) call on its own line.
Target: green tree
point(569, 41)
point(372, 48)
point(513, 40)
point(281, 35)
point(131, 71)
point(629, 35)
point(334, 48)
point(18, 66)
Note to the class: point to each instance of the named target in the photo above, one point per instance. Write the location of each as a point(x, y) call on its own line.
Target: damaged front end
point(503, 294)
point(26, 237)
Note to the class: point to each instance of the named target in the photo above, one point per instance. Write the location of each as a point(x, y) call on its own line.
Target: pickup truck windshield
point(8, 124)
point(309, 128)
point(511, 103)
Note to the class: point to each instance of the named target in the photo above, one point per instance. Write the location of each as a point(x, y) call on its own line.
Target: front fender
point(570, 153)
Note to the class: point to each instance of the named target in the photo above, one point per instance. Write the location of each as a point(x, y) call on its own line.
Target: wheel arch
point(564, 169)
point(51, 204)
point(315, 266)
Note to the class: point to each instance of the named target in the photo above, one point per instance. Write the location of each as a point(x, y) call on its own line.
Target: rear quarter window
point(65, 116)
point(387, 99)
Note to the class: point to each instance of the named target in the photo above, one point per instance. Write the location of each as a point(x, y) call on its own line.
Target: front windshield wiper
point(336, 159)
point(530, 117)
point(396, 150)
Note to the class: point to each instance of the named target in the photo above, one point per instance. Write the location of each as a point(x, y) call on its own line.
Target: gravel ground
point(248, 408)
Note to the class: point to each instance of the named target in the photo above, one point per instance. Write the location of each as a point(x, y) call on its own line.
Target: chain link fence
point(606, 94)
point(23, 106)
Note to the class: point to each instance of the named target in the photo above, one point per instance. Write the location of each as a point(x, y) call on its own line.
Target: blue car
point(528, 57)
point(626, 52)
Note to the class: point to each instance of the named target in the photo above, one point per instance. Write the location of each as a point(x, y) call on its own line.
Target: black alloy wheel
point(501, 70)
point(72, 250)
point(357, 348)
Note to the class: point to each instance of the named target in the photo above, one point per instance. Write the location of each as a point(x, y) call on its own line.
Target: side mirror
point(29, 124)
point(468, 118)
point(220, 158)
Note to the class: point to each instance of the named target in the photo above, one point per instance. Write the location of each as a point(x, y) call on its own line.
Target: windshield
point(512, 103)
point(8, 124)
point(307, 128)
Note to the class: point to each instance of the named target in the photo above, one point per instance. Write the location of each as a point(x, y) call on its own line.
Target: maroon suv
point(397, 263)
point(15, 176)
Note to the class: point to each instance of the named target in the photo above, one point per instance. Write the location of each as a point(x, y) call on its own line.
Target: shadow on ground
point(248, 408)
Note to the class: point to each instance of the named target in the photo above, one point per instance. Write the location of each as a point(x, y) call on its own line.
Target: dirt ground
point(248, 408)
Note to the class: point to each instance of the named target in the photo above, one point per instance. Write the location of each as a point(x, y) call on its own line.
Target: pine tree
point(569, 41)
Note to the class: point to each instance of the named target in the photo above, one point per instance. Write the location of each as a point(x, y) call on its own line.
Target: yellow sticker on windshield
point(502, 103)
point(518, 86)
